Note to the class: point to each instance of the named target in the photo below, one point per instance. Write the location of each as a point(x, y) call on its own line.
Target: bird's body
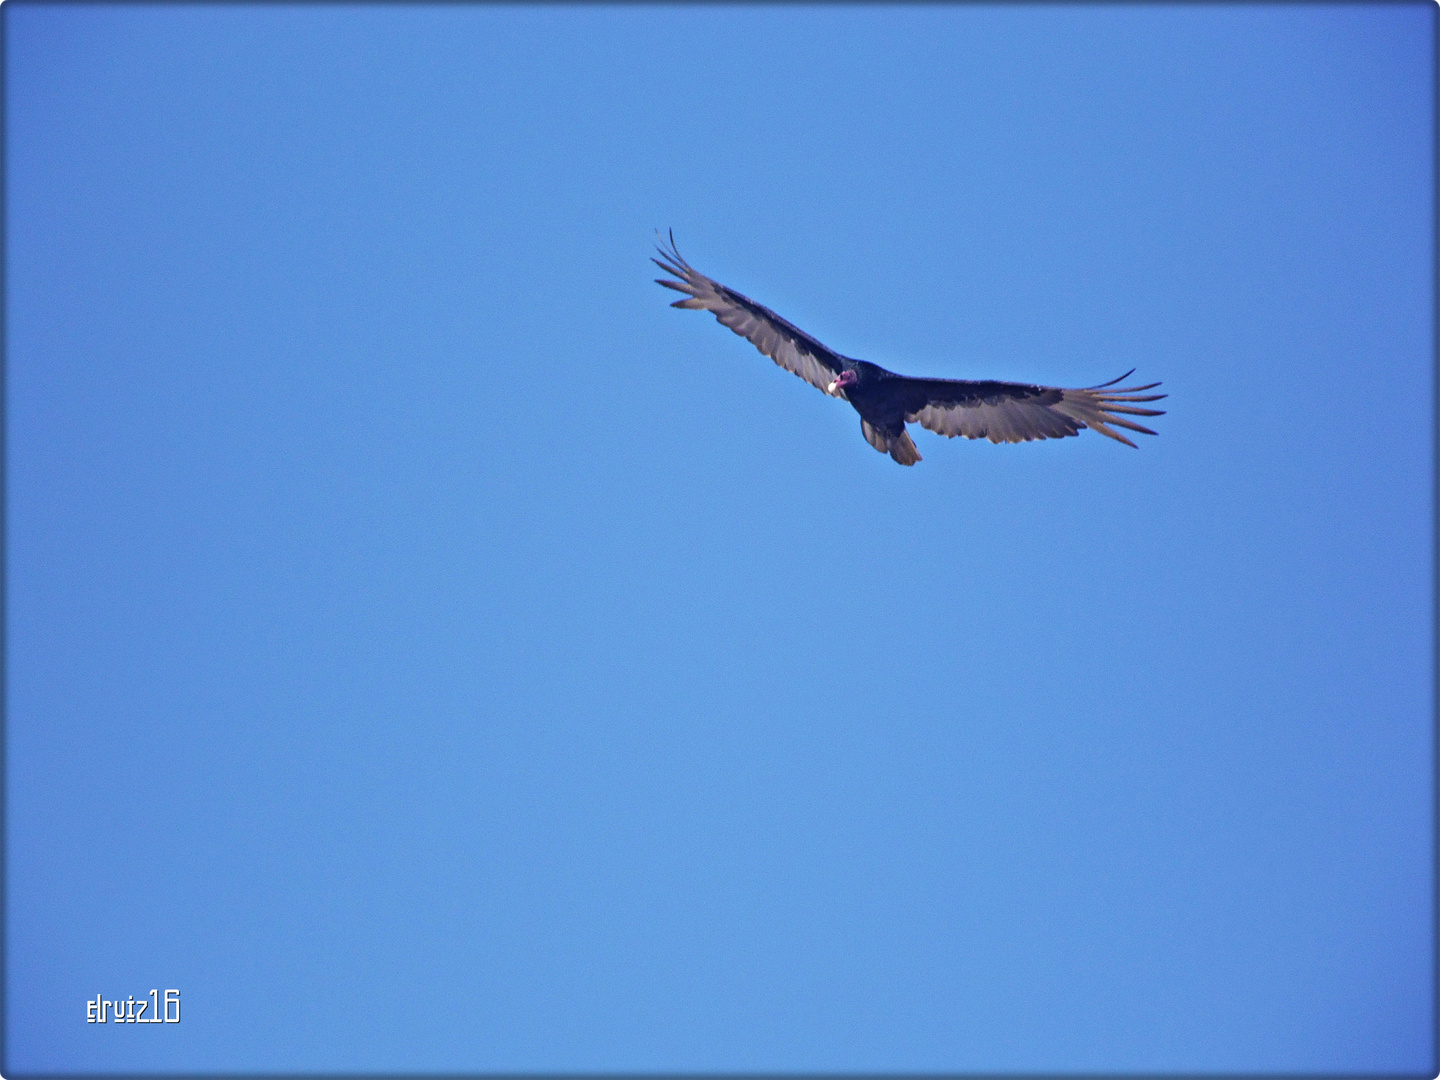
point(886, 401)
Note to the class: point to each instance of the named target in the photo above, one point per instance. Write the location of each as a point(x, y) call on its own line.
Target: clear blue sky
point(429, 651)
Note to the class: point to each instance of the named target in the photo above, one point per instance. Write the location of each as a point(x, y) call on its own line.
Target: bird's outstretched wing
point(787, 345)
point(1013, 412)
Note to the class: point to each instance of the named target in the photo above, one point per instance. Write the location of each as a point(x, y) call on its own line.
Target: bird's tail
point(900, 447)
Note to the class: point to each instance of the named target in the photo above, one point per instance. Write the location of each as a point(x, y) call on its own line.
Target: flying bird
point(886, 402)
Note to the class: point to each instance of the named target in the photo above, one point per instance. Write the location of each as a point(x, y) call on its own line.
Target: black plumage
point(886, 402)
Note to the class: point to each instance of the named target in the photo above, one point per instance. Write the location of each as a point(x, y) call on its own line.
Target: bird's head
point(848, 377)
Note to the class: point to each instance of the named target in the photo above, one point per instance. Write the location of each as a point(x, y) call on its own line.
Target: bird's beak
point(834, 388)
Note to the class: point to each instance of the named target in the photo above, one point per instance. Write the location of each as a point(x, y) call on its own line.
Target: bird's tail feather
point(900, 447)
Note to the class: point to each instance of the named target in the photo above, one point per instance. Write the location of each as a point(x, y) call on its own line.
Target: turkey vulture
point(886, 402)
